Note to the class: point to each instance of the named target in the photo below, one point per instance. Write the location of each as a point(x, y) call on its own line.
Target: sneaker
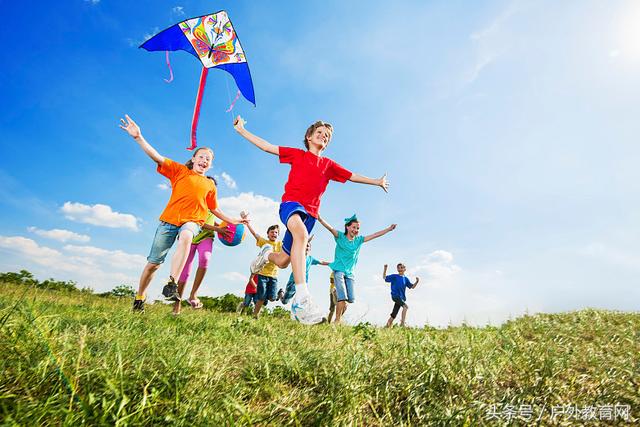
point(138, 305)
point(306, 312)
point(280, 295)
point(170, 291)
point(262, 259)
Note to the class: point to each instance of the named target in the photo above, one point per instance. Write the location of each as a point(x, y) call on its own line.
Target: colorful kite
point(211, 39)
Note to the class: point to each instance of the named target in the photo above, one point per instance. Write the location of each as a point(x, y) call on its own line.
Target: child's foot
point(280, 295)
point(262, 259)
point(305, 311)
point(170, 291)
point(196, 304)
point(138, 305)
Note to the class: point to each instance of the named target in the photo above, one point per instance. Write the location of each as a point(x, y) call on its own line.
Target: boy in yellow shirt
point(267, 277)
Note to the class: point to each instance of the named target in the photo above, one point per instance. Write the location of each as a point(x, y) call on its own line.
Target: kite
point(213, 40)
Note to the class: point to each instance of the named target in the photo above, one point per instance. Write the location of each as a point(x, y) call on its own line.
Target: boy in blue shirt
point(399, 282)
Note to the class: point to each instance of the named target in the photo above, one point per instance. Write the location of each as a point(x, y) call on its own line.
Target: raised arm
point(238, 125)
point(380, 182)
point(328, 226)
point(131, 127)
point(253, 232)
point(384, 273)
point(413, 285)
point(380, 233)
point(218, 213)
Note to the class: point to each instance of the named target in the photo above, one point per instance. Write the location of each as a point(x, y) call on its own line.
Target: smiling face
point(273, 232)
point(353, 229)
point(401, 269)
point(202, 160)
point(317, 136)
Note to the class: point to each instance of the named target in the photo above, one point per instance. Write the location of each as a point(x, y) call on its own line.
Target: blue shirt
point(346, 255)
point(398, 285)
point(310, 261)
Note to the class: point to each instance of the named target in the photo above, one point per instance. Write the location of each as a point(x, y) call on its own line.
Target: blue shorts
point(287, 209)
point(344, 286)
point(165, 236)
point(289, 292)
point(266, 288)
point(249, 298)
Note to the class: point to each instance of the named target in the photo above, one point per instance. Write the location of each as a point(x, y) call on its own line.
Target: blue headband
point(352, 218)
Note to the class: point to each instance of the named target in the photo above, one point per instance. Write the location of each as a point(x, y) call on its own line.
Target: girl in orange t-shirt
point(192, 196)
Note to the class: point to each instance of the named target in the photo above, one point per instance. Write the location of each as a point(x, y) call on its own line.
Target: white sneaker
point(306, 312)
point(261, 260)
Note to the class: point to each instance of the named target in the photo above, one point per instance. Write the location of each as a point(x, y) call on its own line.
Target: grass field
point(75, 358)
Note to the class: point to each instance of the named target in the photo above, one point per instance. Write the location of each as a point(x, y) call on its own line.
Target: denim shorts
point(344, 286)
point(287, 209)
point(165, 236)
point(266, 288)
point(249, 298)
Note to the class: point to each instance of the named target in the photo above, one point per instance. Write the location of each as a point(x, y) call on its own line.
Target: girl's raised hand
point(130, 127)
point(383, 183)
point(238, 123)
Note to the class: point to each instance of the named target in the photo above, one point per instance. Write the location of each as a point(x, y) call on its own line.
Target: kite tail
point(233, 103)
point(196, 110)
point(170, 70)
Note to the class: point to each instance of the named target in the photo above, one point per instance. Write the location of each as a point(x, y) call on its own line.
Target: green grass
point(73, 358)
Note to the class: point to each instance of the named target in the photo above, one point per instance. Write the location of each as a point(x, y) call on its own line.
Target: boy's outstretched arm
point(238, 125)
point(253, 232)
point(380, 182)
point(384, 273)
point(416, 283)
point(328, 226)
point(380, 233)
point(133, 130)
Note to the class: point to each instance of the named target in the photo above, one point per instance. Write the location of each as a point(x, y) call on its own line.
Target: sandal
point(196, 304)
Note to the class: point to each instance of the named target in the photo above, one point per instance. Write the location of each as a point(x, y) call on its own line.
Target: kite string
point(170, 70)
point(231, 103)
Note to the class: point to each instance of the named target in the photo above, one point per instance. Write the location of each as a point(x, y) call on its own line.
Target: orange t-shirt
point(192, 195)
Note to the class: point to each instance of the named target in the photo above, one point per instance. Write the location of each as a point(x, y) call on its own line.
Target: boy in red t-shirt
point(308, 179)
point(250, 294)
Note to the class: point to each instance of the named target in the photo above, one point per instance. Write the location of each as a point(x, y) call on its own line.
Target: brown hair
point(311, 129)
point(189, 163)
point(348, 224)
point(273, 227)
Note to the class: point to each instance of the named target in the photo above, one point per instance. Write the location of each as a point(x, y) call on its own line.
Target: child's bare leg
point(390, 322)
point(182, 252)
point(146, 276)
point(340, 308)
point(300, 237)
point(256, 309)
point(404, 315)
point(177, 306)
point(281, 259)
point(197, 281)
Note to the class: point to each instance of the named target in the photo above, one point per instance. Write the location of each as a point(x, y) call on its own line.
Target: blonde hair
point(311, 129)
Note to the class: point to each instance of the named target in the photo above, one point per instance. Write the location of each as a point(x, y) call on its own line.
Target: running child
point(267, 276)
point(250, 294)
point(203, 244)
point(308, 179)
point(399, 283)
point(193, 195)
point(290, 290)
point(348, 246)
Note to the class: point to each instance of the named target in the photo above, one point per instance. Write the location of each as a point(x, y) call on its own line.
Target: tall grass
point(72, 358)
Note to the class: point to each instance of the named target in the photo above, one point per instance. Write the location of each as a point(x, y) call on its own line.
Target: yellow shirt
point(269, 270)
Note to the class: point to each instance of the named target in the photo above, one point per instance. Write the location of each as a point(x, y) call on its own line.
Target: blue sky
point(508, 129)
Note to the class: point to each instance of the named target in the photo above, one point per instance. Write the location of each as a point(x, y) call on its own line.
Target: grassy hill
point(73, 358)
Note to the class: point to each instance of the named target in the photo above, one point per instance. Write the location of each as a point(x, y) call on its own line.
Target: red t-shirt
point(309, 177)
point(252, 286)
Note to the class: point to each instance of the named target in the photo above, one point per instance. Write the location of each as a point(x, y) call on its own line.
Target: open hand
point(384, 183)
point(130, 127)
point(392, 227)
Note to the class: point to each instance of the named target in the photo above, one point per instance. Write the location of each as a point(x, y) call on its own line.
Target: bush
point(123, 291)
point(226, 303)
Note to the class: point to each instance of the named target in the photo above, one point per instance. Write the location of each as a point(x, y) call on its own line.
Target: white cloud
point(234, 276)
point(60, 235)
point(178, 10)
point(100, 215)
point(163, 186)
point(263, 211)
point(98, 268)
point(228, 180)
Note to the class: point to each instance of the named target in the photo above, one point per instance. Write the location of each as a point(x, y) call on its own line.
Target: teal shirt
point(346, 255)
point(310, 261)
